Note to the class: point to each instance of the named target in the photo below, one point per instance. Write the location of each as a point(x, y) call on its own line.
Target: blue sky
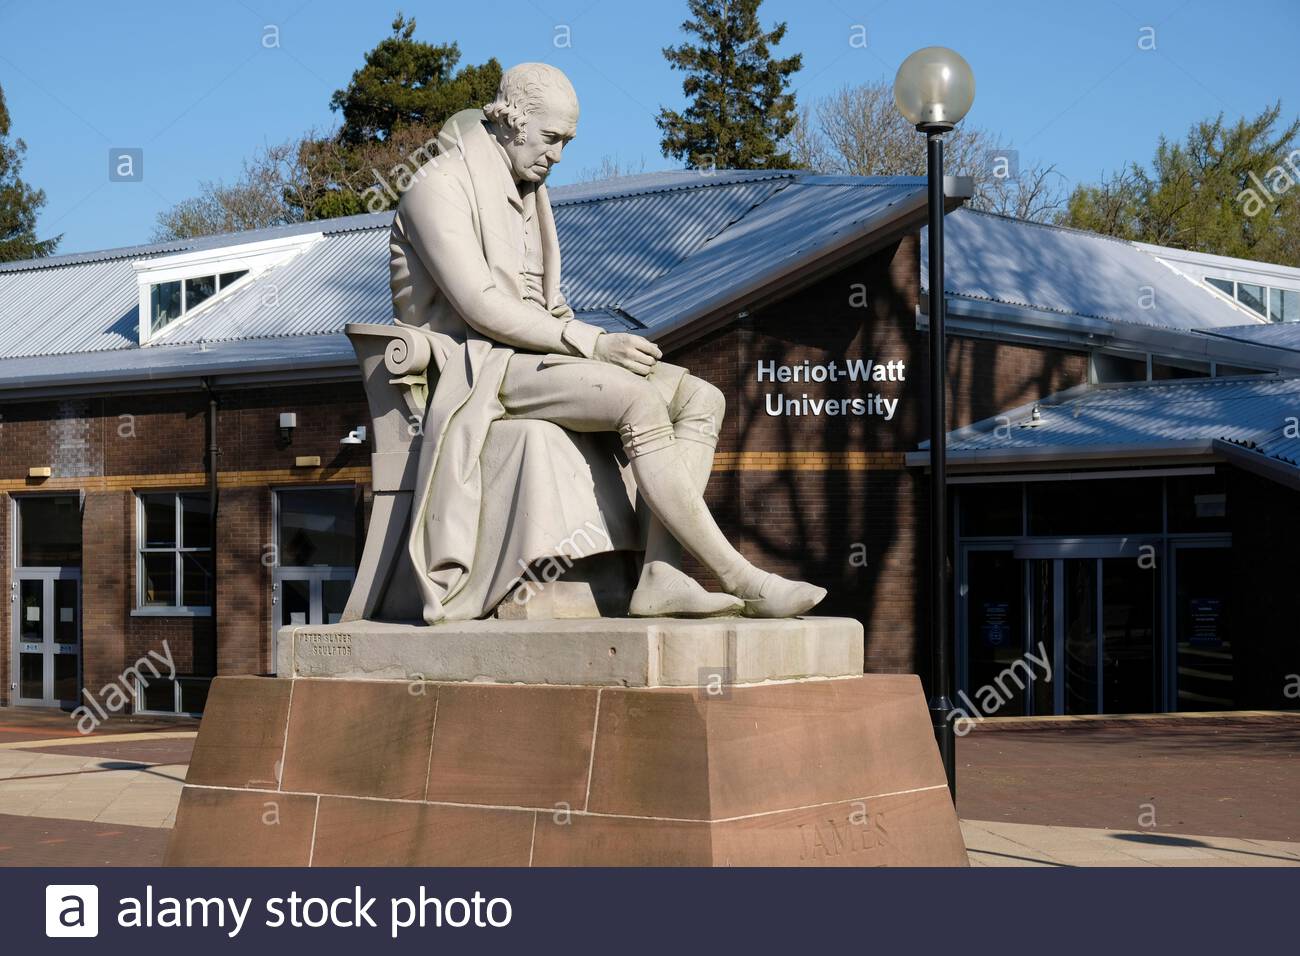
point(194, 86)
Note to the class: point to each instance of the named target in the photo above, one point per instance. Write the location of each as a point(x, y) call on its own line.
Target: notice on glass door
point(1205, 616)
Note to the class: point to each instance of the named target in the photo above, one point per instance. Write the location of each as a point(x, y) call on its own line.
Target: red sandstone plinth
point(334, 772)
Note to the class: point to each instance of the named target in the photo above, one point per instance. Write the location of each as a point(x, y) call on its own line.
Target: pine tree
point(406, 82)
point(392, 107)
point(740, 106)
point(19, 202)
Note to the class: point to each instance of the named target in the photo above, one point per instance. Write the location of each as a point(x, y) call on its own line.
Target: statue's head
point(534, 116)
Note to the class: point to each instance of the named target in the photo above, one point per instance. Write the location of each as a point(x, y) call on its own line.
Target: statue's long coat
point(456, 257)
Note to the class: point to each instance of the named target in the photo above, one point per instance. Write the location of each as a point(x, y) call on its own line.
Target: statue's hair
point(524, 89)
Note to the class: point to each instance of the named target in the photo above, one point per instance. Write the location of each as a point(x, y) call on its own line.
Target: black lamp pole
point(933, 90)
point(941, 698)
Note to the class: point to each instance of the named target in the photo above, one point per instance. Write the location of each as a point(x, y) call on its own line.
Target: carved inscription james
point(830, 837)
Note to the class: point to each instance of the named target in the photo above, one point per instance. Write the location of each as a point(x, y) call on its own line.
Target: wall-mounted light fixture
point(288, 422)
point(355, 437)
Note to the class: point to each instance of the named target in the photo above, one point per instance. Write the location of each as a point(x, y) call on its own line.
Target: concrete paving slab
point(1090, 846)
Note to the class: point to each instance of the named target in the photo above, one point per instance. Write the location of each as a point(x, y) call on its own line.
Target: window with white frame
point(1274, 304)
point(174, 287)
point(174, 566)
point(168, 301)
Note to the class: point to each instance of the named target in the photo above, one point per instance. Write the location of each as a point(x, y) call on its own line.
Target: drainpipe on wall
point(213, 499)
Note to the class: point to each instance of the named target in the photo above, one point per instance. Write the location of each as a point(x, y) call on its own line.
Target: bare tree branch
point(858, 131)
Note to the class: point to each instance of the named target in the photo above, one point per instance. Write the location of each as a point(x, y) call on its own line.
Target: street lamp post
point(934, 89)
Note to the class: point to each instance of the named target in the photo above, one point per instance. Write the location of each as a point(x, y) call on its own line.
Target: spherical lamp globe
point(934, 88)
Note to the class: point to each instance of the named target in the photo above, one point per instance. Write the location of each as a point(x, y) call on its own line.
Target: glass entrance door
point(1094, 620)
point(994, 609)
point(1130, 627)
point(1205, 664)
point(316, 555)
point(47, 636)
point(1107, 631)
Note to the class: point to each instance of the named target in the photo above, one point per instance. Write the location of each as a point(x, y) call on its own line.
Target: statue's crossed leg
point(670, 446)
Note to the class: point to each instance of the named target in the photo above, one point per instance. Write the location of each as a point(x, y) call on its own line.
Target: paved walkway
point(108, 799)
point(1026, 844)
point(1233, 776)
point(24, 724)
point(91, 788)
point(1170, 792)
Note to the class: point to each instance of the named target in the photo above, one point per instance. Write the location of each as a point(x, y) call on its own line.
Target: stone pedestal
point(627, 652)
point(744, 770)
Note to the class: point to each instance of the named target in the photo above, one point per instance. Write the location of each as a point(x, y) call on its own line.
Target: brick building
point(1119, 445)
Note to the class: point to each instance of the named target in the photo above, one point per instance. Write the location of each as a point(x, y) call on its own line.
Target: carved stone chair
point(591, 576)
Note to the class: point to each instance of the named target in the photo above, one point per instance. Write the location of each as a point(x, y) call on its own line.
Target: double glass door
point(1062, 634)
point(1098, 618)
point(1205, 658)
point(1107, 626)
point(47, 636)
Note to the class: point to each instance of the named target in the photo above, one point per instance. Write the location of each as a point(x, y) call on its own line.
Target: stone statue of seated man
point(475, 267)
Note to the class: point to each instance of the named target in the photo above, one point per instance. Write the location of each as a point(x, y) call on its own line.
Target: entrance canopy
point(1251, 423)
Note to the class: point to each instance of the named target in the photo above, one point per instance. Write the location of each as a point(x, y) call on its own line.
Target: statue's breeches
point(648, 412)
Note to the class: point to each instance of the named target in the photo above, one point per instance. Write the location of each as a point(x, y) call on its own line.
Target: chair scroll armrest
point(396, 363)
point(408, 352)
point(407, 358)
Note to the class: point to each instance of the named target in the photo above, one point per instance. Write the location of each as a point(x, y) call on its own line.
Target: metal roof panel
point(795, 226)
point(1253, 413)
point(1065, 270)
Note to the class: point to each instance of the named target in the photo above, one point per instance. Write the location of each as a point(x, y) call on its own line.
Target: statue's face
point(546, 132)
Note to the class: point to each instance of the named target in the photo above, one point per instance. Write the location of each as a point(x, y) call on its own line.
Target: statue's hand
point(628, 351)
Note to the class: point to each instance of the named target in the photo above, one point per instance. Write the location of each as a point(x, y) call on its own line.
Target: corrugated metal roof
point(618, 238)
point(87, 302)
point(644, 252)
point(1252, 413)
point(164, 362)
point(670, 180)
point(150, 250)
point(1280, 335)
point(796, 225)
point(342, 278)
point(67, 309)
point(1040, 266)
point(613, 248)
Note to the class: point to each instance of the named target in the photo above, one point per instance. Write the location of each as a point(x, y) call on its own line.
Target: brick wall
point(244, 536)
point(986, 378)
point(108, 448)
point(107, 589)
point(827, 498)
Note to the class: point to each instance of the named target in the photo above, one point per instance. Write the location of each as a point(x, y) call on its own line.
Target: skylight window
point(168, 301)
point(173, 288)
point(1276, 305)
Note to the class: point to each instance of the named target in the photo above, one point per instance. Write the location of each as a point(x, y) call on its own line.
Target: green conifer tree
point(740, 105)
